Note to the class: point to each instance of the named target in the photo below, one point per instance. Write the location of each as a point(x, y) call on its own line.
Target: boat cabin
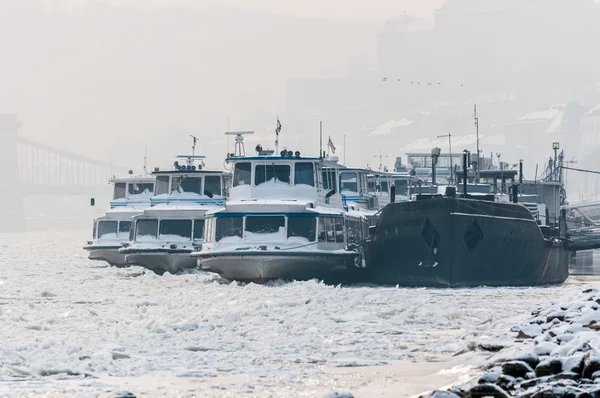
point(114, 225)
point(352, 184)
point(380, 184)
point(189, 182)
point(131, 191)
point(169, 226)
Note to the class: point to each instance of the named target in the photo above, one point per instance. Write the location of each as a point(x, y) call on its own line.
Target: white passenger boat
point(131, 195)
point(280, 222)
point(165, 234)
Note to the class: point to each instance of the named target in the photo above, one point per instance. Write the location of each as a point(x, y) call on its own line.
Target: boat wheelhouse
point(380, 184)
point(165, 234)
point(110, 231)
point(281, 221)
point(353, 186)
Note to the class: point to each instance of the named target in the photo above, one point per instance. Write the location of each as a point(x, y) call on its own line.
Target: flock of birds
point(385, 79)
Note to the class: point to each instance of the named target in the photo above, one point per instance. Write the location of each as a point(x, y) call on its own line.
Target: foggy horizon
point(111, 80)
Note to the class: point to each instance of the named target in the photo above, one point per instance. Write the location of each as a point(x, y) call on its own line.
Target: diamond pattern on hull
point(472, 236)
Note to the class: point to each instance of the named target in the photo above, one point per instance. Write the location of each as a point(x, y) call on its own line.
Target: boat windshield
point(186, 185)
point(124, 227)
point(120, 190)
point(272, 174)
point(304, 174)
point(349, 182)
point(242, 174)
point(401, 187)
point(302, 227)
point(198, 229)
point(264, 224)
point(146, 230)
point(331, 229)
point(212, 184)
point(162, 185)
point(107, 229)
point(329, 180)
point(175, 229)
point(138, 188)
point(228, 227)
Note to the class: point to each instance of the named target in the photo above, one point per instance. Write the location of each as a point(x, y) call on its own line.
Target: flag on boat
point(278, 129)
point(330, 144)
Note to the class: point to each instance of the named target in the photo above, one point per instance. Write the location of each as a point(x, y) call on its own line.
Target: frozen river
point(71, 326)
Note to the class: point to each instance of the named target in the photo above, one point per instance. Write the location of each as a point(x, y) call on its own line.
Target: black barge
point(462, 239)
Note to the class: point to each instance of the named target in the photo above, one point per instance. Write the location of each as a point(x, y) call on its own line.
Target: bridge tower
point(12, 213)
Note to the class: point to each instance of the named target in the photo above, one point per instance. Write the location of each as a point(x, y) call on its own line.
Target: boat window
point(132, 233)
point(186, 185)
point(331, 229)
point(229, 226)
point(272, 174)
point(94, 229)
point(304, 174)
point(124, 226)
point(264, 224)
point(175, 228)
point(354, 231)
point(138, 188)
point(212, 184)
point(401, 187)
point(146, 229)
point(120, 190)
point(371, 185)
point(329, 180)
point(385, 186)
point(241, 174)
point(349, 182)
point(339, 229)
point(107, 229)
point(304, 227)
point(198, 229)
point(162, 185)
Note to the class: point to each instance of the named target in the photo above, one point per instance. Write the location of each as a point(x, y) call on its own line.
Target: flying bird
point(462, 84)
point(439, 82)
point(385, 79)
point(429, 84)
point(412, 82)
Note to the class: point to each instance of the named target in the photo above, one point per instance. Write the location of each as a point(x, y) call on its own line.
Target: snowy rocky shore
point(556, 354)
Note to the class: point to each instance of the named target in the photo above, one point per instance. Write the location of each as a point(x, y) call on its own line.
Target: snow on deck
point(64, 317)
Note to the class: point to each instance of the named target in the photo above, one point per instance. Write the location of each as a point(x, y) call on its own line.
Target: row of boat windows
point(384, 186)
point(154, 229)
point(121, 188)
point(188, 184)
point(304, 174)
point(108, 229)
point(323, 229)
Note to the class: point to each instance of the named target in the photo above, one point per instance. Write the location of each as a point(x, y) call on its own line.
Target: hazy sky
point(376, 10)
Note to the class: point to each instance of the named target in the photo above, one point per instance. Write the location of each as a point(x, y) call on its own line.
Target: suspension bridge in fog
point(31, 168)
point(50, 171)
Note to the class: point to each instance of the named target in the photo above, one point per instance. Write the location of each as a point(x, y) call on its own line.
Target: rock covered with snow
point(558, 355)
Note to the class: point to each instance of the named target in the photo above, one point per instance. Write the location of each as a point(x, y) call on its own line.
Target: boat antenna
point(145, 160)
point(344, 148)
point(476, 121)
point(321, 139)
point(195, 139)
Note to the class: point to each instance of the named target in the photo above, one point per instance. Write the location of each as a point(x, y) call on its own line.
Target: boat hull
point(260, 266)
point(109, 254)
point(451, 242)
point(160, 260)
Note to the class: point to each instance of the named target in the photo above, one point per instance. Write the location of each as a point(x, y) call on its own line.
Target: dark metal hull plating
point(449, 242)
